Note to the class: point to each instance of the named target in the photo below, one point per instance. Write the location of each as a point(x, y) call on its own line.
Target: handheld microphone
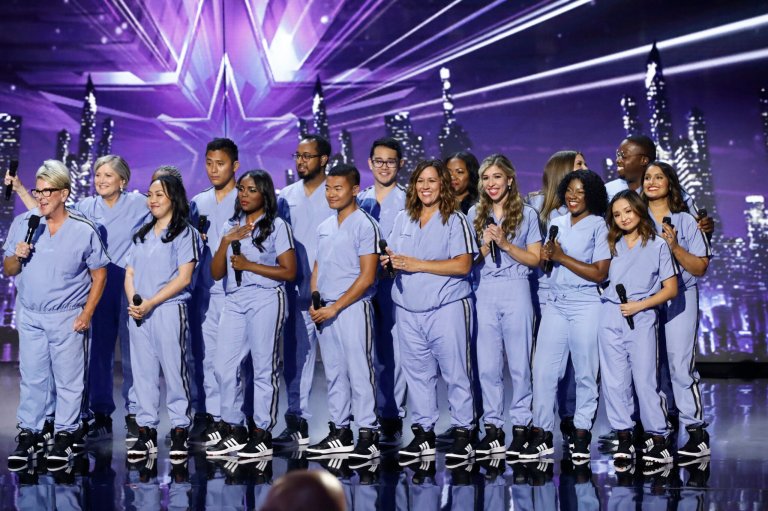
point(137, 301)
point(12, 171)
point(667, 220)
point(316, 304)
point(390, 268)
point(32, 224)
point(201, 223)
point(492, 245)
point(552, 235)
point(238, 273)
point(622, 292)
point(702, 211)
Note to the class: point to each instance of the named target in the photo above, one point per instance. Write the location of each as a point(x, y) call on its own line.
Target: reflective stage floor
point(735, 477)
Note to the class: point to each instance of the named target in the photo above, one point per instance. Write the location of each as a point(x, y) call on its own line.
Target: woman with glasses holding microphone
point(118, 214)
point(59, 261)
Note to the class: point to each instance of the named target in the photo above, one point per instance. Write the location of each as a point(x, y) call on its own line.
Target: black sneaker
point(131, 429)
point(493, 467)
point(698, 471)
point(644, 443)
point(79, 436)
point(235, 438)
point(446, 437)
point(145, 445)
point(519, 442)
point(567, 428)
point(580, 440)
point(612, 437)
point(423, 443)
point(697, 445)
point(626, 448)
point(179, 446)
point(367, 470)
point(215, 433)
point(338, 440)
point(462, 444)
point(101, 429)
point(659, 453)
point(493, 442)
point(62, 449)
point(259, 444)
point(539, 444)
point(424, 472)
point(45, 438)
point(27, 443)
point(391, 431)
point(541, 471)
point(200, 424)
point(367, 444)
point(296, 432)
point(180, 472)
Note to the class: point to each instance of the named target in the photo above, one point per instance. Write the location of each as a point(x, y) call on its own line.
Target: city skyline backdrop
point(528, 80)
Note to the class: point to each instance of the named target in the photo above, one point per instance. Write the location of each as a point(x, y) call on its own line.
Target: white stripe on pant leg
point(278, 335)
point(662, 397)
point(184, 371)
point(85, 404)
point(368, 310)
point(692, 366)
point(468, 340)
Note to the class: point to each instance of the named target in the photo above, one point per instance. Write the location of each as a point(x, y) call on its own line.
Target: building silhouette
point(658, 105)
point(764, 115)
point(10, 134)
point(345, 147)
point(319, 114)
point(107, 133)
point(452, 137)
point(399, 127)
point(630, 116)
point(63, 138)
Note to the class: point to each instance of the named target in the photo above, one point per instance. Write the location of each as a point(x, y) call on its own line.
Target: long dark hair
point(263, 183)
point(473, 169)
point(646, 228)
point(174, 190)
point(675, 195)
point(447, 199)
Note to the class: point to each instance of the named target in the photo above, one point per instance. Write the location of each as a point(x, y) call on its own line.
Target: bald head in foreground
point(299, 491)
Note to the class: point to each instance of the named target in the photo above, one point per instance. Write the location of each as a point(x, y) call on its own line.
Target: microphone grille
point(33, 222)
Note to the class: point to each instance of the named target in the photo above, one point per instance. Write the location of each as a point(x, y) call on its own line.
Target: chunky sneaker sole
point(135, 452)
point(64, 457)
point(543, 450)
point(622, 455)
point(703, 449)
point(230, 445)
point(466, 454)
point(662, 456)
point(296, 439)
point(260, 450)
point(373, 452)
point(334, 447)
point(494, 447)
point(425, 449)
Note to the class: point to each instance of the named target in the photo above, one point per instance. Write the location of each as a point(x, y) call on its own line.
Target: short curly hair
point(594, 190)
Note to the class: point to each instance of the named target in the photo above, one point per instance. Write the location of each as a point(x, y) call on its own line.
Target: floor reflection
point(734, 478)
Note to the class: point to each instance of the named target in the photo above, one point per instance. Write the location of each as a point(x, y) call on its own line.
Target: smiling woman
point(60, 274)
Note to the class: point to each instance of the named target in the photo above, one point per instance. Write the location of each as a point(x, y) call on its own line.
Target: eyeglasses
point(379, 163)
point(45, 192)
point(304, 156)
point(623, 156)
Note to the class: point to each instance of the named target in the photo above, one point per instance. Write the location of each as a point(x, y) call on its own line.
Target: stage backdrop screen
point(154, 81)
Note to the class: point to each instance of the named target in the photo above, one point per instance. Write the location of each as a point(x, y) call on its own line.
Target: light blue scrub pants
point(251, 323)
point(631, 357)
point(568, 325)
point(346, 345)
point(161, 343)
point(438, 339)
point(51, 355)
point(505, 326)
